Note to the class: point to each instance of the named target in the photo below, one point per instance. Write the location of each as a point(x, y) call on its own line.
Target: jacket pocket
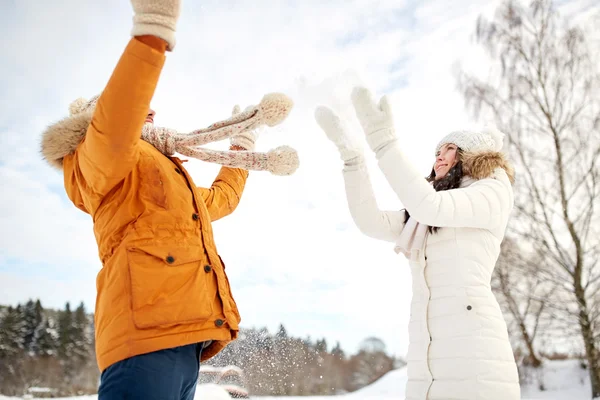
point(168, 286)
point(470, 309)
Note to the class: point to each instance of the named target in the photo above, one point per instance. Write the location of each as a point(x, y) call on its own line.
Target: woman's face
point(446, 158)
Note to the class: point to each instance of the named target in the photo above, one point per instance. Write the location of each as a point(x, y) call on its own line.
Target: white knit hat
point(489, 138)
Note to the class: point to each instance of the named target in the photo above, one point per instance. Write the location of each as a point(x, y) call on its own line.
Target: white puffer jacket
point(459, 346)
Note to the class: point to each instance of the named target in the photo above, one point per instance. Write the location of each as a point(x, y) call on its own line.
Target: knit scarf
point(411, 242)
point(272, 110)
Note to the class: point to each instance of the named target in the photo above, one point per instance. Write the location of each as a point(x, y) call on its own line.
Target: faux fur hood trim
point(62, 138)
point(481, 165)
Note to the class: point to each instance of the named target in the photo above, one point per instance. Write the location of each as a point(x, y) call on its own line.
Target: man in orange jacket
point(163, 299)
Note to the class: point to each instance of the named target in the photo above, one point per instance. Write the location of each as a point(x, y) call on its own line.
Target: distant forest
point(54, 350)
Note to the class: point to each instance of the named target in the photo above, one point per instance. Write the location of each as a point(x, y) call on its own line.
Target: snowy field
point(564, 380)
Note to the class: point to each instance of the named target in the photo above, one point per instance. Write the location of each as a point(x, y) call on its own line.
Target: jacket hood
point(481, 165)
point(62, 138)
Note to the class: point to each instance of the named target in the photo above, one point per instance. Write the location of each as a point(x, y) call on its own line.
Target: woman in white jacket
point(450, 231)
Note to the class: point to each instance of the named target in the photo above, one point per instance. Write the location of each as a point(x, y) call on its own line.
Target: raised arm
point(370, 220)
point(226, 191)
point(484, 204)
point(110, 148)
point(224, 195)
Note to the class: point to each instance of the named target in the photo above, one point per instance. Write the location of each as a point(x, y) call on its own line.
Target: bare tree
point(522, 296)
point(371, 362)
point(545, 95)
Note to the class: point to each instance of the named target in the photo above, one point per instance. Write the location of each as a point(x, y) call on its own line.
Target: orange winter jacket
point(162, 282)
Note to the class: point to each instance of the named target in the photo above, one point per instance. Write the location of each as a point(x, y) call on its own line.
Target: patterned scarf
point(272, 110)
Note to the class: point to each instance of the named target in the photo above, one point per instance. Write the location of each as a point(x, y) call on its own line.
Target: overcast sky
point(293, 253)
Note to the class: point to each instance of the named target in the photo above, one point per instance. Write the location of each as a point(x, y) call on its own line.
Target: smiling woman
point(447, 172)
point(446, 158)
point(458, 340)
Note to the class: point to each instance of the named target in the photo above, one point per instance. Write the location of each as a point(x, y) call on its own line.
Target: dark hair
point(452, 180)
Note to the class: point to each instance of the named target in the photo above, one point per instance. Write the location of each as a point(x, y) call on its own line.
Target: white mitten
point(331, 124)
point(157, 18)
point(246, 139)
point(376, 119)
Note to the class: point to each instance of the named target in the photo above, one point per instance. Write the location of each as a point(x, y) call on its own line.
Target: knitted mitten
point(157, 18)
point(376, 119)
point(331, 124)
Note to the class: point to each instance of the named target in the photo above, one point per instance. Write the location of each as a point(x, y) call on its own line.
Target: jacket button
point(219, 322)
point(207, 268)
point(178, 171)
point(170, 259)
point(195, 217)
point(469, 308)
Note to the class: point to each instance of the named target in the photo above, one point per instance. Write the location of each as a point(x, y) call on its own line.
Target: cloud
point(293, 253)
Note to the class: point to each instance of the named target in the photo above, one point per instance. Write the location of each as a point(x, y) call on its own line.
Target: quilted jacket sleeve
point(370, 220)
point(110, 149)
point(485, 204)
point(224, 194)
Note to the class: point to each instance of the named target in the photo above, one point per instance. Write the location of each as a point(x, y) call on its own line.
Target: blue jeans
point(169, 374)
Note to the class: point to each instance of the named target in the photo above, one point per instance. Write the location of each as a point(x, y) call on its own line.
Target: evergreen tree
point(65, 329)
point(30, 329)
point(80, 337)
point(265, 340)
point(11, 350)
point(321, 346)
point(46, 340)
point(32, 319)
point(281, 332)
point(12, 332)
point(337, 352)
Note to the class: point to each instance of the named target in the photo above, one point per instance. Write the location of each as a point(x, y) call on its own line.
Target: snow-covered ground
point(564, 380)
point(391, 386)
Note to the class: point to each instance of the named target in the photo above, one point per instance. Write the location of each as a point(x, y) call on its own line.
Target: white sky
point(293, 253)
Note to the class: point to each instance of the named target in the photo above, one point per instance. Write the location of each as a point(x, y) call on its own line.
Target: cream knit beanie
point(489, 138)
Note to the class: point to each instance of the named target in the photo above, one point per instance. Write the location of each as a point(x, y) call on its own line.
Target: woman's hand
point(331, 124)
point(376, 119)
